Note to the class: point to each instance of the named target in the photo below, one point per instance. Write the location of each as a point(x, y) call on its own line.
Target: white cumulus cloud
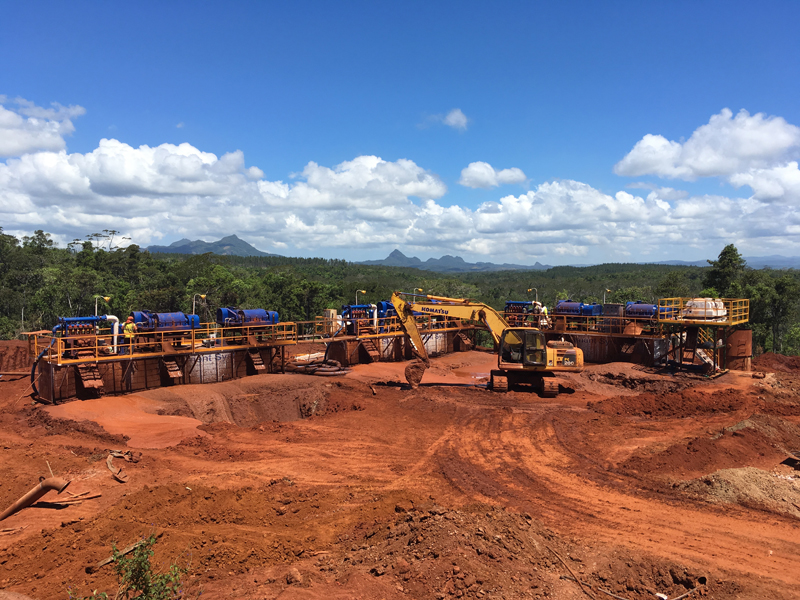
point(456, 119)
point(483, 175)
point(25, 127)
point(725, 146)
point(370, 203)
point(780, 183)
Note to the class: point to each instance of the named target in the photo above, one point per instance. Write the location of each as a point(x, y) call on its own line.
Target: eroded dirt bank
point(289, 486)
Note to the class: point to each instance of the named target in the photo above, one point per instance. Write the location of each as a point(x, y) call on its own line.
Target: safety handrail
point(719, 311)
point(209, 337)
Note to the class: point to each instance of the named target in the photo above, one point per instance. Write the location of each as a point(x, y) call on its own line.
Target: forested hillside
point(40, 282)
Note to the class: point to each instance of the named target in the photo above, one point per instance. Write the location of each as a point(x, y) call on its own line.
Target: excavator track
point(498, 382)
point(549, 387)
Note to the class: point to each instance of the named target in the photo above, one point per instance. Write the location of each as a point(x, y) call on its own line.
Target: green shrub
point(136, 578)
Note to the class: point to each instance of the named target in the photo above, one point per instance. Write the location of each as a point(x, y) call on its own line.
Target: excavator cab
point(524, 347)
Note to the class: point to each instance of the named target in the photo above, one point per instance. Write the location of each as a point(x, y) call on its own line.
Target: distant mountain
point(681, 263)
point(233, 245)
point(775, 261)
point(448, 264)
point(230, 245)
point(754, 262)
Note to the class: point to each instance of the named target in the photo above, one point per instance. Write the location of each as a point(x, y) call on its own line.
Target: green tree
point(774, 298)
point(674, 285)
point(783, 308)
point(725, 273)
point(792, 341)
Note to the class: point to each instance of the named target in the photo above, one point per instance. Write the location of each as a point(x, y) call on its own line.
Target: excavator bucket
point(414, 372)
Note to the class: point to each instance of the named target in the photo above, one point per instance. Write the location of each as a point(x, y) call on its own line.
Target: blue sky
point(348, 129)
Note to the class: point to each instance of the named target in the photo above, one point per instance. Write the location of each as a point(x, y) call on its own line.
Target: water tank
point(740, 350)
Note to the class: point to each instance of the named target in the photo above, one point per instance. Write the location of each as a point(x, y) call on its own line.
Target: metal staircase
point(89, 374)
point(372, 349)
point(172, 368)
point(255, 359)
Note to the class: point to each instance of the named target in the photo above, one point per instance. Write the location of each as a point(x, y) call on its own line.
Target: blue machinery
point(234, 317)
point(376, 314)
point(147, 321)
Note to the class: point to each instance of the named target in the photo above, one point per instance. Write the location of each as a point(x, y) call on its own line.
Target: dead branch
point(578, 581)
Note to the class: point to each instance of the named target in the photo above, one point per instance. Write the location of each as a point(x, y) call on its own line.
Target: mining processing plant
point(96, 355)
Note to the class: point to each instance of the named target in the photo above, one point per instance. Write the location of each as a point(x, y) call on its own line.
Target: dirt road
point(291, 486)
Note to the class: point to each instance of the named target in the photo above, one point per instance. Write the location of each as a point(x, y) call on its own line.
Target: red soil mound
point(14, 356)
point(682, 404)
point(776, 363)
point(760, 441)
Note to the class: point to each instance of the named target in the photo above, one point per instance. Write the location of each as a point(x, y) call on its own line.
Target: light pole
point(359, 292)
point(604, 295)
point(533, 289)
point(420, 290)
point(96, 298)
point(194, 300)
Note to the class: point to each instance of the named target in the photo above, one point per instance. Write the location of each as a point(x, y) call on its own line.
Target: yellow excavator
point(524, 356)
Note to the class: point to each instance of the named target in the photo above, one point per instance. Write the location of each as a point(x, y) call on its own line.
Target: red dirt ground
point(292, 486)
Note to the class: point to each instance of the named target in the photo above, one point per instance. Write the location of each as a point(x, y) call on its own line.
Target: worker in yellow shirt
point(129, 329)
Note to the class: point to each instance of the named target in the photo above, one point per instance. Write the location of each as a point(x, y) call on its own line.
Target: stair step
point(255, 358)
point(173, 370)
point(372, 349)
point(705, 357)
point(90, 377)
point(466, 343)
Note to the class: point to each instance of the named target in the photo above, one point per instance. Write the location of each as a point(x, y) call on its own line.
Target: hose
point(38, 358)
point(317, 367)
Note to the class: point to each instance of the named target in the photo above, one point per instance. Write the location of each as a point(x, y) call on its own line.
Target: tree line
point(40, 282)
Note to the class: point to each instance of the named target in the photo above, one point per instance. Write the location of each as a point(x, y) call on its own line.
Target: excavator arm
point(438, 305)
point(406, 315)
point(450, 307)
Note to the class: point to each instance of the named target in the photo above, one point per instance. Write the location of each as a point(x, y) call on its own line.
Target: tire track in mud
point(516, 460)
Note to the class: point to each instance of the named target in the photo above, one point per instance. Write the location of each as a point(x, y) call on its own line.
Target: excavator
point(523, 357)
